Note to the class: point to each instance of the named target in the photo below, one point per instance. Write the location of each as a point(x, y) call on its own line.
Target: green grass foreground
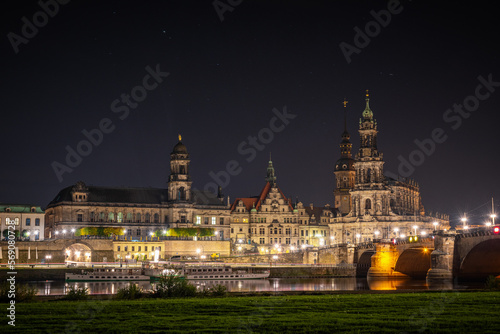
point(438, 312)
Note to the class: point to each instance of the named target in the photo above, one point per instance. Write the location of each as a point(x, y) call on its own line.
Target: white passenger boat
point(108, 274)
point(221, 272)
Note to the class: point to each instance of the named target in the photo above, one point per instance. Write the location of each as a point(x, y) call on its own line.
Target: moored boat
point(107, 274)
point(221, 272)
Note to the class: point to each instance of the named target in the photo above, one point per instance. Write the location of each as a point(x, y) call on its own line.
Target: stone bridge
point(473, 255)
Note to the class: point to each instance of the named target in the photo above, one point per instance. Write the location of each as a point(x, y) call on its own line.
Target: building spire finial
point(367, 113)
point(180, 137)
point(345, 113)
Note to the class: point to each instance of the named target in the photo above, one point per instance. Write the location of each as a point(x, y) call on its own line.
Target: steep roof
point(249, 202)
point(132, 196)
point(20, 208)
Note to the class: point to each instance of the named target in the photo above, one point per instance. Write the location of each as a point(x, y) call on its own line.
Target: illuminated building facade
point(140, 211)
point(28, 220)
point(269, 221)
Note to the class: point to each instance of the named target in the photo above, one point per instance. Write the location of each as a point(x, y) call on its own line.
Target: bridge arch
point(78, 252)
point(364, 263)
point(481, 261)
point(414, 262)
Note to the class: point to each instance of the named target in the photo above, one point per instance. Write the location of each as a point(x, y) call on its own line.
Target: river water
point(262, 285)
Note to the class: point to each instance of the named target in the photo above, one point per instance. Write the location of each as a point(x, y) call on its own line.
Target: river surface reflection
point(262, 285)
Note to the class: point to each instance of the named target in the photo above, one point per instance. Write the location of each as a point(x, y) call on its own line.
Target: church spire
point(345, 145)
point(367, 113)
point(271, 177)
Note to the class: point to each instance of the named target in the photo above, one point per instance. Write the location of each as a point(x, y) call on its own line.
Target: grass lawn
point(439, 312)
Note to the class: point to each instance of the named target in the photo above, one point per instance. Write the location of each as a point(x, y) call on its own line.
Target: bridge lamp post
point(493, 216)
point(488, 224)
point(376, 234)
point(415, 227)
point(435, 225)
point(396, 230)
point(357, 237)
point(464, 220)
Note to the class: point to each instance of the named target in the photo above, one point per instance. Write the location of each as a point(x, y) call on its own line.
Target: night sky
point(225, 78)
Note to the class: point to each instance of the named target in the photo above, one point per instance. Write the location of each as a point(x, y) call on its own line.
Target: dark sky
point(226, 77)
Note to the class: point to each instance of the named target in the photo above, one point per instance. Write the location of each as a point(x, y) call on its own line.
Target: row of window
point(27, 222)
point(125, 248)
point(262, 241)
point(213, 220)
point(139, 218)
point(278, 231)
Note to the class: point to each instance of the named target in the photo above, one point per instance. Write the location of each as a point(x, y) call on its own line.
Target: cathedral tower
point(344, 172)
point(370, 195)
point(179, 181)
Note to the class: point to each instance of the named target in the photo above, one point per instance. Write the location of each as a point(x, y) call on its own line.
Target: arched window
point(182, 194)
point(119, 218)
point(129, 217)
point(138, 217)
point(147, 217)
point(156, 218)
point(368, 204)
point(393, 203)
point(111, 216)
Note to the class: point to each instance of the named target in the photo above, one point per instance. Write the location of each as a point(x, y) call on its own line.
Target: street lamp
point(357, 237)
point(376, 234)
point(396, 230)
point(415, 227)
point(435, 225)
point(48, 257)
point(493, 216)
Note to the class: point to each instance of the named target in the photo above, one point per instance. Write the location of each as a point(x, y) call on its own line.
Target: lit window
point(214, 221)
point(198, 220)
